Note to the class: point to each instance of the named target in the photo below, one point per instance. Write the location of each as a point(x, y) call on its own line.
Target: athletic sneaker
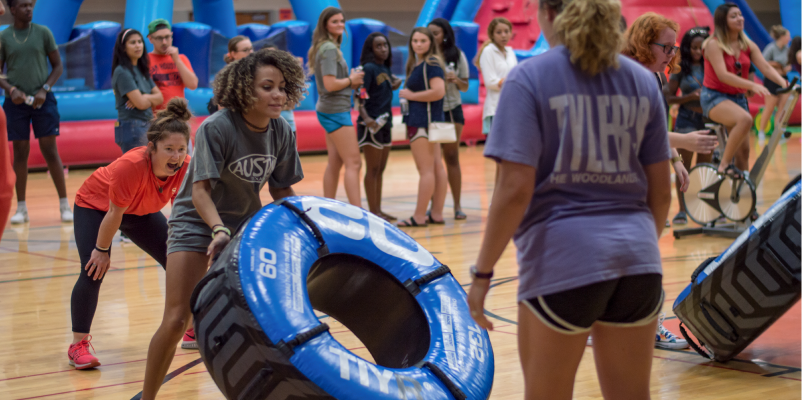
point(79, 356)
point(20, 217)
point(189, 340)
point(664, 339)
point(66, 215)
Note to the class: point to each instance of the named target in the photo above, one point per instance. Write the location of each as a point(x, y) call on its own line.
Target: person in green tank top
point(25, 49)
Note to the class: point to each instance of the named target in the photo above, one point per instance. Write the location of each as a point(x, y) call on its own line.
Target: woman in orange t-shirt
point(127, 195)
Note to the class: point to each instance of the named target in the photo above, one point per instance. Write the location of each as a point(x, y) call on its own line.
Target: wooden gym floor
point(39, 265)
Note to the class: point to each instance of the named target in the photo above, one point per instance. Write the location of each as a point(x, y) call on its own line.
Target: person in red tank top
point(127, 195)
point(728, 55)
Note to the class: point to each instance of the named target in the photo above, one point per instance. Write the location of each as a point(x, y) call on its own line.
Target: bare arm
point(658, 196)
point(58, 68)
point(156, 96)
point(139, 100)
point(280, 193)
point(513, 192)
point(437, 90)
point(17, 95)
point(187, 76)
point(202, 200)
point(332, 84)
point(670, 93)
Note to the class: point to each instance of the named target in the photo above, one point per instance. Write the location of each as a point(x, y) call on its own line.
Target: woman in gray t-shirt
point(134, 90)
point(238, 149)
point(334, 87)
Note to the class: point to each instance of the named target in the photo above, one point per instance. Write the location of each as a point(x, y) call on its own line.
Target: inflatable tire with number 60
point(260, 338)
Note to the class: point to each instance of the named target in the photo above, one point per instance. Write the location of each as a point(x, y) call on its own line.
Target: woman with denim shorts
point(728, 55)
point(689, 82)
point(134, 90)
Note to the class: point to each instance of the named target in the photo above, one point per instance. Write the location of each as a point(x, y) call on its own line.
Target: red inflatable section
point(7, 177)
point(92, 142)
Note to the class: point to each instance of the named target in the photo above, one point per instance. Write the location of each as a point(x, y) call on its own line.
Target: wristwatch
point(675, 159)
point(46, 87)
point(479, 275)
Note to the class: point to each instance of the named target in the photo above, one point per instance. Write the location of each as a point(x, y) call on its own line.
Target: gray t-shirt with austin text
point(237, 162)
point(588, 139)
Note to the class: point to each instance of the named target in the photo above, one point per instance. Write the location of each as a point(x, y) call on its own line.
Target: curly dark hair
point(367, 50)
point(234, 86)
point(685, 57)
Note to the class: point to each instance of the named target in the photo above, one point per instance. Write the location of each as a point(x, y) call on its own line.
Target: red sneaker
point(79, 354)
point(189, 340)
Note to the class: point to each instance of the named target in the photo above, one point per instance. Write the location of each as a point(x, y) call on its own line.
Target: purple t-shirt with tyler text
point(588, 139)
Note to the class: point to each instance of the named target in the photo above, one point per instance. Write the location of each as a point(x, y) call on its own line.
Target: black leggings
point(149, 232)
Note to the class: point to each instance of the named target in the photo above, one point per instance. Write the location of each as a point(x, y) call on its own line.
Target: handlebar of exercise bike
point(791, 86)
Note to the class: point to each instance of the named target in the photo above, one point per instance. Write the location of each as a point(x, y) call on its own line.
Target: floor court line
point(38, 255)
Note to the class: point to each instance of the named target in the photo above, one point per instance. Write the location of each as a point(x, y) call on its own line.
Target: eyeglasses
point(162, 38)
point(737, 68)
point(667, 49)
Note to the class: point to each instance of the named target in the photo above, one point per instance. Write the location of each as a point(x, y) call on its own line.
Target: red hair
point(645, 31)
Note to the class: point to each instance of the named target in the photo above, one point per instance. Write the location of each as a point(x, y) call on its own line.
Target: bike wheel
point(736, 198)
point(700, 211)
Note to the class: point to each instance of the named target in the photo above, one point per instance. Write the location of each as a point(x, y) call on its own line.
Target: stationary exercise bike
point(712, 195)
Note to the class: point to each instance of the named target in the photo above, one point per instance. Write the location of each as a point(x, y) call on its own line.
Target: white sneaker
point(20, 217)
point(665, 339)
point(125, 239)
point(66, 215)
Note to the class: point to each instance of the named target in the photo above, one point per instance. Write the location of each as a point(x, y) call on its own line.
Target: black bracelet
point(107, 251)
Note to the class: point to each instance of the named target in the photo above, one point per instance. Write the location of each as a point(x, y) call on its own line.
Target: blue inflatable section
point(743, 238)
point(466, 34)
point(58, 15)
point(139, 13)
point(254, 31)
point(541, 46)
point(466, 11)
point(791, 14)
point(219, 14)
point(436, 9)
point(194, 40)
point(299, 36)
point(309, 10)
point(104, 35)
point(285, 249)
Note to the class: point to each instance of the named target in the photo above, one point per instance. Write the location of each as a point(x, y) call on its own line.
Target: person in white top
point(495, 62)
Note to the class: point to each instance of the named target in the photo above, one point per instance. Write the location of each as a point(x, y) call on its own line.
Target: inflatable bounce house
point(86, 101)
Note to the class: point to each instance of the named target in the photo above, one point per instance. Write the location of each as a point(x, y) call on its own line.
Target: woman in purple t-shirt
point(584, 187)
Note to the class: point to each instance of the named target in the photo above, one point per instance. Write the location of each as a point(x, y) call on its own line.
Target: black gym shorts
point(381, 139)
point(455, 116)
point(628, 301)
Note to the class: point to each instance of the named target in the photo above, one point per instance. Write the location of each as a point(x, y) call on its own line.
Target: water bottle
point(381, 121)
point(29, 100)
point(404, 106)
point(451, 67)
point(361, 92)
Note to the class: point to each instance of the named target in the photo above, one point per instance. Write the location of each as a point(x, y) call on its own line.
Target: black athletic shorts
point(381, 139)
point(771, 86)
point(629, 301)
point(455, 115)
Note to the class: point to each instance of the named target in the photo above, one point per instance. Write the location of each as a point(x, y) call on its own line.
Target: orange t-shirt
point(165, 74)
point(129, 182)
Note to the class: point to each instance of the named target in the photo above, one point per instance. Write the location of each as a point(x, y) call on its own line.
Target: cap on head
point(155, 24)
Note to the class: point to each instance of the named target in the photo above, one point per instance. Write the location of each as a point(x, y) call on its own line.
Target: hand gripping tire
point(259, 336)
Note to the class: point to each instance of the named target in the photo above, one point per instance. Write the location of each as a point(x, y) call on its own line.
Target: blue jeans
point(711, 98)
point(131, 133)
point(688, 121)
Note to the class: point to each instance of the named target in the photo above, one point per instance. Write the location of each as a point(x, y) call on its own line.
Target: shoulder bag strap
point(428, 104)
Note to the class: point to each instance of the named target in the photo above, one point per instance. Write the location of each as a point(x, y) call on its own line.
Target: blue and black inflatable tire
point(260, 338)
